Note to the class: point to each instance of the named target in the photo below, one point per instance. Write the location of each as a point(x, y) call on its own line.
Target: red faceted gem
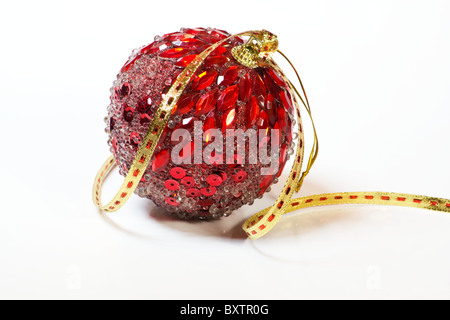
point(228, 119)
point(228, 98)
point(206, 103)
point(185, 61)
point(214, 180)
point(263, 121)
point(269, 102)
point(245, 88)
point(195, 31)
point(145, 118)
point(208, 191)
point(283, 120)
point(178, 173)
point(193, 193)
point(221, 34)
point(171, 184)
point(200, 49)
point(161, 160)
point(230, 76)
point(271, 107)
point(163, 136)
point(176, 36)
point(128, 113)
point(240, 176)
point(276, 77)
point(204, 80)
point(174, 53)
point(265, 183)
point(286, 101)
point(271, 86)
point(186, 103)
point(205, 36)
point(251, 112)
point(155, 47)
point(220, 51)
point(188, 181)
point(186, 123)
point(191, 43)
point(210, 123)
point(216, 60)
point(259, 88)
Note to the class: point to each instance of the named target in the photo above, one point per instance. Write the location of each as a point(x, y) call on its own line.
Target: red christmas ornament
point(222, 94)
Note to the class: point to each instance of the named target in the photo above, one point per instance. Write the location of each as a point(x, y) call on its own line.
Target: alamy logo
point(263, 147)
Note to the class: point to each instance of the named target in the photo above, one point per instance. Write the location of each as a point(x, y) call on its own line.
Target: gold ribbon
point(252, 54)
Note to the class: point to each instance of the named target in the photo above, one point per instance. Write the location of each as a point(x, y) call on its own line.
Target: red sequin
point(214, 180)
point(188, 181)
point(193, 193)
point(172, 201)
point(178, 173)
point(240, 176)
point(172, 185)
point(208, 191)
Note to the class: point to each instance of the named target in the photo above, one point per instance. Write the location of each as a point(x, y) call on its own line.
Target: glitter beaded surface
point(222, 95)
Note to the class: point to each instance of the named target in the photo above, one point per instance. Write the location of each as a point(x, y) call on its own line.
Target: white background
point(377, 75)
